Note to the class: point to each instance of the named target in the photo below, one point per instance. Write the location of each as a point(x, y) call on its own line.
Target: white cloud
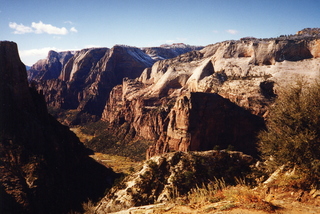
point(20, 28)
point(48, 28)
point(215, 31)
point(39, 28)
point(231, 31)
point(73, 29)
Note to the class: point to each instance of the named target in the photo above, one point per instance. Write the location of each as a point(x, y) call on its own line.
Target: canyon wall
point(216, 96)
point(83, 80)
point(44, 168)
point(156, 100)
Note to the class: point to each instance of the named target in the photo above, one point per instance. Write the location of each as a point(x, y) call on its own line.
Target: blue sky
point(38, 25)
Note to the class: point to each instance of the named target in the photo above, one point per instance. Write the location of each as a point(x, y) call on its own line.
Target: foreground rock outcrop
point(44, 168)
point(165, 177)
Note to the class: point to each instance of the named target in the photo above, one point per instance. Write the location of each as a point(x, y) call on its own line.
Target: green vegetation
point(121, 143)
point(293, 130)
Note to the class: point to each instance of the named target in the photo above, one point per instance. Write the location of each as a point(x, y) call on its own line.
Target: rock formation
point(194, 121)
point(169, 51)
point(49, 68)
point(83, 80)
point(44, 168)
point(160, 104)
point(163, 177)
point(246, 72)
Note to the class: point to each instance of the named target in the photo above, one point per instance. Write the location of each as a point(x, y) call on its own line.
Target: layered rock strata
point(194, 121)
point(84, 79)
point(171, 101)
point(44, 168)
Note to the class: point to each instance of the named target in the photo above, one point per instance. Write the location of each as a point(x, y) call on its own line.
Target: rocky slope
point(44, 168)
point(83, 80)
point(163, 177)
point(174, 103)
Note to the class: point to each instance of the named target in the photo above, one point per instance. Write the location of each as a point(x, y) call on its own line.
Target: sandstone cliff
point(83, 80)
point(164, 177)
point(171, 102)
point(193, 121)
point(44, 168)
point(235, 69)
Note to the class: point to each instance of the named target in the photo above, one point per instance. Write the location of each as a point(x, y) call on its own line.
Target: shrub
point(293, 129)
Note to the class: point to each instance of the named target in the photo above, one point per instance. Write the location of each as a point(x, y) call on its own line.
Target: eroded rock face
point(84, 79)
point(163, 177)
point(161, 103)
point(44, 168)
point(194, 121)
point(235, 69)
point(200, 121)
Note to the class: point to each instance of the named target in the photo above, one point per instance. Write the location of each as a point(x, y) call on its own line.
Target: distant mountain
point(215, 96)
point(84, 79)
point(49, 68)
point(169, 51)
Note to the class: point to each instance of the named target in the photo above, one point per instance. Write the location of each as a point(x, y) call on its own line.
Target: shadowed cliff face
point(44, 167)
point(190, 122)
point(202, 121)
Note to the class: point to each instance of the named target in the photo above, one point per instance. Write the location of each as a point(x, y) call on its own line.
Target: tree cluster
point(293, 129)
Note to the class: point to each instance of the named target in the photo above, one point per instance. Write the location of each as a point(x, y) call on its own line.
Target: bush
point(293, 129)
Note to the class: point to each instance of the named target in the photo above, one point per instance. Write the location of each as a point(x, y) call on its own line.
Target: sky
point(38, 26)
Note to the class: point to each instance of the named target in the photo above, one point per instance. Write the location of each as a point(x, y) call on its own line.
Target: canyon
point(190, 106)
point(216, 96)
point(83, 80)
